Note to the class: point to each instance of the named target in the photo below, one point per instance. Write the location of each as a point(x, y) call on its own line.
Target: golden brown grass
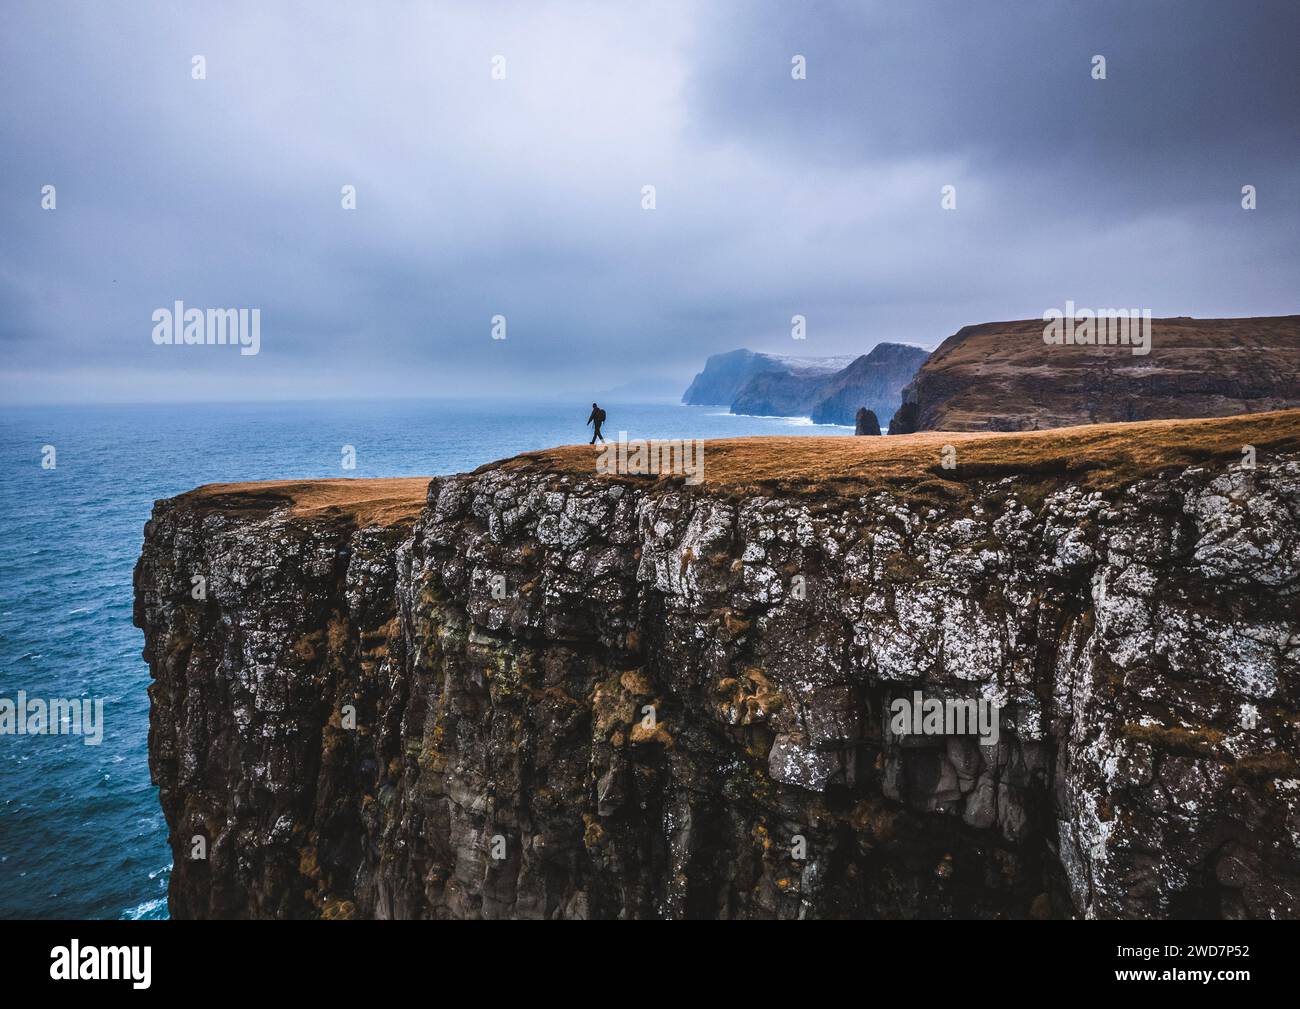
point(379, 501)
point(1096, 456)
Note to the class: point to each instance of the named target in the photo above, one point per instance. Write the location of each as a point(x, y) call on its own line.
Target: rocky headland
point(1001, 376)
point(828, 390)
point(532, 691)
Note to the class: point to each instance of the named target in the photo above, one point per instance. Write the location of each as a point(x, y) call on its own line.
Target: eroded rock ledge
point(501, 638)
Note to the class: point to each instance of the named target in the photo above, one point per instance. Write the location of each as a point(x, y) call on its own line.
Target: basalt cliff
point(1002, 376)
point(530, 691)
point(828, 390)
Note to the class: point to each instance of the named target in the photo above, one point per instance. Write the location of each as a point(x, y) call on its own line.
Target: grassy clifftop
point(1095, 455)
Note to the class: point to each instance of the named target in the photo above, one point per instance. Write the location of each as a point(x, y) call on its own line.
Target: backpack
point(600, 416)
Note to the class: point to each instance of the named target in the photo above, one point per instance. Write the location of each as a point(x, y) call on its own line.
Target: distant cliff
point(875, 380)
point(536, 692)
point(829, 390)
point(724, 375)
point(1001, 376)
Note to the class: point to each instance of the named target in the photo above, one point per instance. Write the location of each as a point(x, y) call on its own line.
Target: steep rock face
point(504, 656)
point(1001, 376)
point(779, 394)
point(875, 380)
point(298, 618)
point(725, 374)
point(830, 390)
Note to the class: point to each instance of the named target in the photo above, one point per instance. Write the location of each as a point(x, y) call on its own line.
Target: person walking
point(597, 418)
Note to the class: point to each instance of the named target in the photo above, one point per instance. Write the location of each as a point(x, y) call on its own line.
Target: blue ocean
point(81, 833)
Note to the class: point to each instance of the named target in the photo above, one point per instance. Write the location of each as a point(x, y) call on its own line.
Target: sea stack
point(866, 422)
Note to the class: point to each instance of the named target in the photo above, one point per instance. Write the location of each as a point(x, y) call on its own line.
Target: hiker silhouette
point(597, 418)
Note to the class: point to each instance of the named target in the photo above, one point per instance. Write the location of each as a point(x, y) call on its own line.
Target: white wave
point(150, 910)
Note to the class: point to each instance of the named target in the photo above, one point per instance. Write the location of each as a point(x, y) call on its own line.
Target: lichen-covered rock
point(561, 696)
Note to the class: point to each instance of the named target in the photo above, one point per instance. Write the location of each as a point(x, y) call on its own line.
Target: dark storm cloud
point(1194, 79)
point(522, 197)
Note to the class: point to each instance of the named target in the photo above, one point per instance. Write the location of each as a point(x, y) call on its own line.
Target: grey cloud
point(521, 197)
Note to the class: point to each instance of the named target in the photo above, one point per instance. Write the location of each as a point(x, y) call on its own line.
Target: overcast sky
point(522, 197)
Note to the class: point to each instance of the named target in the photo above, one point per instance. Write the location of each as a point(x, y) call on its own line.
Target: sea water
point(81, 832)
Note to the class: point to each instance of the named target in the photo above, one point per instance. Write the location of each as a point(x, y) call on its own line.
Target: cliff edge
point(530, 691)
